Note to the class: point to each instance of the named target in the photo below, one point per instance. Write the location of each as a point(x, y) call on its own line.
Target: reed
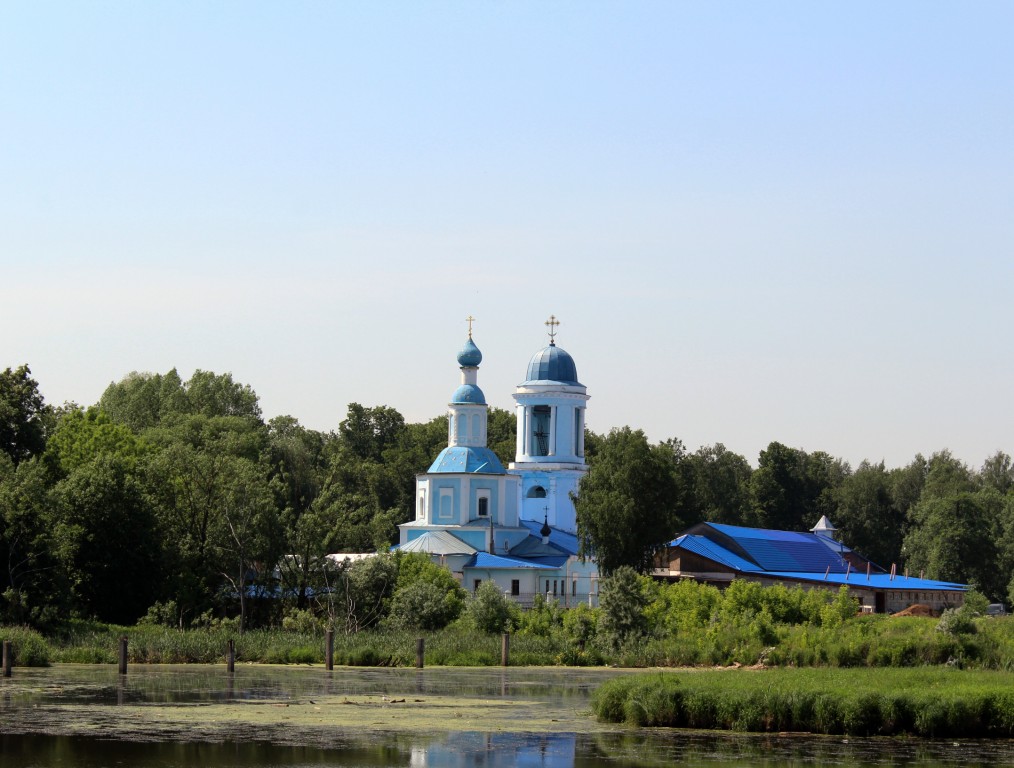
point(30, 648)
point(928, 701)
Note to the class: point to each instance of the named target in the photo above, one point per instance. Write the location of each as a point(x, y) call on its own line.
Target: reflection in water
point(480, 750)
point(37, 694)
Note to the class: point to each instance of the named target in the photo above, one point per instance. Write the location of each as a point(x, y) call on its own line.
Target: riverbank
point(938, 702)
point(862, 641)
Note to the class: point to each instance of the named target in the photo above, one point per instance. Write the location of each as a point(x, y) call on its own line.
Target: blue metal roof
point(552, 364)
point(468, 393)
point(704, 547)
point(784, 550)
point(469, 356)
point(486, 560)
point(463, 458)
point(764, 549)
point(874, 581)
point(563, 540)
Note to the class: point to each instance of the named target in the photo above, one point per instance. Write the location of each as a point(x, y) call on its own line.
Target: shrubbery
point(639, 623)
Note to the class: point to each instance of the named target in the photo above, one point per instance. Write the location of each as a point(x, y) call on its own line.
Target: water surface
point(262, 716)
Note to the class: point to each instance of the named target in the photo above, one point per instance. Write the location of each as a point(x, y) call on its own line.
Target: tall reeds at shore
point(938, 702)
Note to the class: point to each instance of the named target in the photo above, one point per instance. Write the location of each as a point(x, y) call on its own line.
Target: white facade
point(518, 527)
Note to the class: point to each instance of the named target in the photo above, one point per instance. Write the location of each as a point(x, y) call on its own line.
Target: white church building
point(514, 526)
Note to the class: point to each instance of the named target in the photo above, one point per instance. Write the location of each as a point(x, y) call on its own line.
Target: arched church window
point(540, 430)
point(483, 506)
point(536, 492)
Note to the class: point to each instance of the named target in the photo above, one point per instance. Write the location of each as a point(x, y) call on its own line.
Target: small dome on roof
point(468, 393)
point(552, 364)
point(469, 356)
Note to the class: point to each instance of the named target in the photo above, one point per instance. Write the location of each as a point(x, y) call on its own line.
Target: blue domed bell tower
point(550, 436)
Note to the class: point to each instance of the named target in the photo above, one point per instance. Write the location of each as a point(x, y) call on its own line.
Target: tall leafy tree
point(31, 586)
point(791, 489)
point(631, 502)
point(955, 537)
point(25, 419)
point(867, 517)
point(296, 456)
point(142, 400)
point(722, 482)
point(108, 540)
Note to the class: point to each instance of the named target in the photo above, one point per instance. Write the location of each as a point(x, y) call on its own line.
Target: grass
point(926, 701)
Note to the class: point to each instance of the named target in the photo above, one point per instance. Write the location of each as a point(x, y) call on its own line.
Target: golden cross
point(470, 320)
point(552, 322)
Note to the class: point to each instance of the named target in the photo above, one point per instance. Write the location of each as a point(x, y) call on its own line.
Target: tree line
point(173, 495)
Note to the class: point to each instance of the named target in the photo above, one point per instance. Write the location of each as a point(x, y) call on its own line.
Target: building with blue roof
point(714, 553)
point(516, 526)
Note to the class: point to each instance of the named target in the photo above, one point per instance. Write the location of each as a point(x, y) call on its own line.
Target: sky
point(756, 222)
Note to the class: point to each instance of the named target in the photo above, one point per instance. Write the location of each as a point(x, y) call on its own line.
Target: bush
point(298, 620)
point(956, 621)
point(29, 647)
point(492, 612)
point(423, 605)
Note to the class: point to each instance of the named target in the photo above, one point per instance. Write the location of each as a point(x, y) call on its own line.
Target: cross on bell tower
point(552, 323)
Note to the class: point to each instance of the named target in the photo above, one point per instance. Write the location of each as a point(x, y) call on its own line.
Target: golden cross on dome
point(552, 322)
point(470, 320)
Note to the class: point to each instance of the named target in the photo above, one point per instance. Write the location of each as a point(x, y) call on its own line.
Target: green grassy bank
point(930, 701)
point(862, 641)
point(92, 643)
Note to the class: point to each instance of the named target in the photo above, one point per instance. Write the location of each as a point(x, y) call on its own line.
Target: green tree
point(722, 482)
point(491, 611)
point(955, 537)
point(31, 590)
point(142, 400)
point(367, 432)
point(248, 544)
point(193, 480)
point(791, 489)
point(81, 435)
point(25, 419)
point(998, 473)
point(633, 501)
point(108, 540)
point(867, 518)
point(296, 457)
point(501, 434)
point(622, 602)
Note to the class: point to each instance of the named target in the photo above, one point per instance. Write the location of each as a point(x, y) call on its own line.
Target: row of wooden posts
point(230, 653)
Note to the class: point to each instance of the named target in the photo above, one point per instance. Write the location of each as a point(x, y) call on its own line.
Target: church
point(514, 526)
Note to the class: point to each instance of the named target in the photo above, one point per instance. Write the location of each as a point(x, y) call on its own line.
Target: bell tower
point(549, 454)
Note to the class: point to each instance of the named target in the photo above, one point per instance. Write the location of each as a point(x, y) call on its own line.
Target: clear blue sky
point(757, 221)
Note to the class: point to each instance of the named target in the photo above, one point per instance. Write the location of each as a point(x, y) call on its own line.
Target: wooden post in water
point(230, 656)
point(420, 652)
point(329, 650)
point(505, 649)
point(123, 655)
point(8, 658)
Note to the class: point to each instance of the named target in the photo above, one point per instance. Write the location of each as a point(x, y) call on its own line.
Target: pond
point(174, 716)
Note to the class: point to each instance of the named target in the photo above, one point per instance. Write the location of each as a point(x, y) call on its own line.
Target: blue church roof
point(486, 560)
point(468, 393)
point(566, 542)
point(552, 364)
point(463, 458)
point(469, 356)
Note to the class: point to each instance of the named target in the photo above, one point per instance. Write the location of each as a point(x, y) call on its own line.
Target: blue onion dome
point(468, 394)
point(469, 356)
point(552, 364)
